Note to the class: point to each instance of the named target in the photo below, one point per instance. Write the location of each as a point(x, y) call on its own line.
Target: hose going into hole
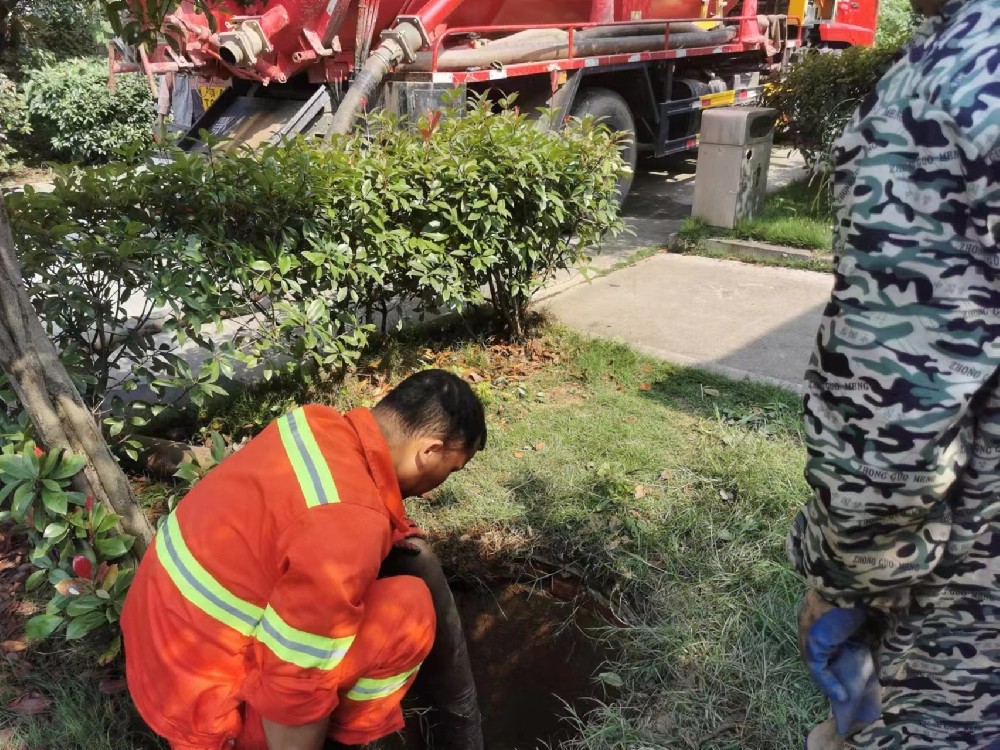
point(366, 84)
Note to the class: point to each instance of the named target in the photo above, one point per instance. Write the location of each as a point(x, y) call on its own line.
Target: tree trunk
point(47, 393)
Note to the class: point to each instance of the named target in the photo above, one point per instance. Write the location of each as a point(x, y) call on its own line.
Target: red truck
point(648, 67)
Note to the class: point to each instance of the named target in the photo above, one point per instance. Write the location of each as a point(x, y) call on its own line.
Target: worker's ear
point(430, 448)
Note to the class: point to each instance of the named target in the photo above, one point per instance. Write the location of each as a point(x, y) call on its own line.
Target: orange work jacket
point(255, 587)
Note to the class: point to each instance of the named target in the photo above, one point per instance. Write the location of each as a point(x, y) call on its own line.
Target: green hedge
point(819, 93)
point(304, 248)
point(74, 116)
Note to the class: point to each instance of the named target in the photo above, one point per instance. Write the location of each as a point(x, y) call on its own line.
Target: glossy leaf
point(42, 626)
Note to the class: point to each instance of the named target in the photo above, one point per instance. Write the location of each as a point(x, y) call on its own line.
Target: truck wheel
point(610, 108)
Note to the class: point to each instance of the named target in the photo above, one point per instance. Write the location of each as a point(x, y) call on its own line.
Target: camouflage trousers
point(940, 672)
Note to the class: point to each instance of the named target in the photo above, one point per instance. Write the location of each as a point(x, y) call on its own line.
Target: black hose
point(615, 45)
point(369, 79)
point(445, 683)
point(391, 52)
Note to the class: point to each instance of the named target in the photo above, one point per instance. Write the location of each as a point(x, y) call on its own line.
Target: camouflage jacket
point(902, 411)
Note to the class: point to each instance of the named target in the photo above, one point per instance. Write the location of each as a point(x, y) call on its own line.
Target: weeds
point(673, 489)
point(80, 714)
point(798, 215)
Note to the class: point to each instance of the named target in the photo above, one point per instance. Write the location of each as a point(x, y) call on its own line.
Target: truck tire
point(610, 108)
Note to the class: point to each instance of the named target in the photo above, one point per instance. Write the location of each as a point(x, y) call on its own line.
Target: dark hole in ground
point(529, 653)
point(531, 657)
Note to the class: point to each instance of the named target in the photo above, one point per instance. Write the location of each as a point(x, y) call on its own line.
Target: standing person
point(259, 620)
point(900, 542)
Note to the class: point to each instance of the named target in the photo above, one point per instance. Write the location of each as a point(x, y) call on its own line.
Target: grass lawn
point(798, 215)
point(669, 490)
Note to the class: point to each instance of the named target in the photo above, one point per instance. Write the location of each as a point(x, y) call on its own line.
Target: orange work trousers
point(395, 637)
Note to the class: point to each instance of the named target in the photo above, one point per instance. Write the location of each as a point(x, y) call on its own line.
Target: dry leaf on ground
point(12, 646)
point(31, 703)
point(111, 686)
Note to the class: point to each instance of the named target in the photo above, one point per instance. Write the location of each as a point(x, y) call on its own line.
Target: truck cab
point(835, 23)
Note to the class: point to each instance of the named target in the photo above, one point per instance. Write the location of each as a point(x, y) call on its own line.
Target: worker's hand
point(403, 540)
point(854, 669)
point(840, 664)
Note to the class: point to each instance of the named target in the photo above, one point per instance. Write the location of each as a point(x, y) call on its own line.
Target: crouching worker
point(258, 620)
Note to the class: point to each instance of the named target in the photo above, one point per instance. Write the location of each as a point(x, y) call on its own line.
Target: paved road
point(744, 321)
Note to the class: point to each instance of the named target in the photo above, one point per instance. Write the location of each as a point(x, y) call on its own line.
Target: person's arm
point(330, 558)
point(906, 346)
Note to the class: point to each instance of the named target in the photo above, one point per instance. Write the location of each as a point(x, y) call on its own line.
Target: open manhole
point(532, 659)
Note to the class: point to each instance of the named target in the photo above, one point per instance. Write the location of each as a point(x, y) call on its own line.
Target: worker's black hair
point(436, 403)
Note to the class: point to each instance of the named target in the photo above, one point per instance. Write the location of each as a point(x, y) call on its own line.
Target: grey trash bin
point(733, 158)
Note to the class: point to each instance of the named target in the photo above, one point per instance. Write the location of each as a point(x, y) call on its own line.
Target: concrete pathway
point(743, 321)
point(659, 202)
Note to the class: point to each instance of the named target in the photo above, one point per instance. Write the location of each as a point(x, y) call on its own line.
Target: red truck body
point(648, 67)
point(854, 24)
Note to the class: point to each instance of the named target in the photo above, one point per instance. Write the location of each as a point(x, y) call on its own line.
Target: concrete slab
point(743, 321)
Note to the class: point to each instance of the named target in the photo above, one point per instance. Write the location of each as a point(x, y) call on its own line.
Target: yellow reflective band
point(198, 586)
point(298, 647)
point(311, 469)
point(720, 99)
point(368, 689)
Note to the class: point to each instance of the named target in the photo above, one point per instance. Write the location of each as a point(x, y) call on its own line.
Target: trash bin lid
point(737, 126)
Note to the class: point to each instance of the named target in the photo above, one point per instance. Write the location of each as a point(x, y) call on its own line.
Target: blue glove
point(843, 668)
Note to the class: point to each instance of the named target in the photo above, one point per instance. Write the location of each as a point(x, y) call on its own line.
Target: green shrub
point(298, 249)
point(76, 548)
point(41, 32)
point(511, 204)
point(13, 120)
point(896, 23)
point(75, 116)
point(819, 93)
